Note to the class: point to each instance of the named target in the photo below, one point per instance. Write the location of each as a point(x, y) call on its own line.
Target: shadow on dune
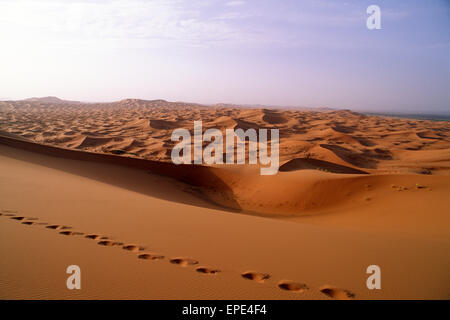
point(273, 117)
point(316, 164)
point(362, 160)
point(202, 181)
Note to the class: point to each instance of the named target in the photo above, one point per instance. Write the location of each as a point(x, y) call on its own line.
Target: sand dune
point(352, 190)
point(327, 158)
point(170, 249)
point(315, 164)
point(302, 188)
point(341, 137)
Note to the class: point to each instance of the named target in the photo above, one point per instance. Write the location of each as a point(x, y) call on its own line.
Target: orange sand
point(352, 191)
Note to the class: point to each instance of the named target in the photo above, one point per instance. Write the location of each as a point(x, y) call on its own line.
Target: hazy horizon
point(310, 54)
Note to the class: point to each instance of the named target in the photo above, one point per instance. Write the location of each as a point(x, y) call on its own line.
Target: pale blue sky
point(315, 53)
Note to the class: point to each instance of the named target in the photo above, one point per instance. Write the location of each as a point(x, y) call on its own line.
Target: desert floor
point(93, 185)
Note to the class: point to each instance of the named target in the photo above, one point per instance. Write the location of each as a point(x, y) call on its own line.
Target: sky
point(313, 53)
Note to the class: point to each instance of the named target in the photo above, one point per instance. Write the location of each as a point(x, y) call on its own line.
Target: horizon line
point(248, 105)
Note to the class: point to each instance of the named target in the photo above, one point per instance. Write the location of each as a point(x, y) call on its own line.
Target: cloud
point(175, 23)
point(117, 22)
point(234, 3)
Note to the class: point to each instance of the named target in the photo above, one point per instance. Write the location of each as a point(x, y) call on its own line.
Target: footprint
point(109, 243)
point(184, 262)
point(58, 227)
point(336, 293)
point(9, 213)
point(133, 248)
point(17, 218)
point(149, 256)
point(255, 276)
point(206, 270)
point(293, 286)
point(96, 237)
point(71, 233)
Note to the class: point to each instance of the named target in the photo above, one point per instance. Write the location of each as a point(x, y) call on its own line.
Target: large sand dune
point(353, 190)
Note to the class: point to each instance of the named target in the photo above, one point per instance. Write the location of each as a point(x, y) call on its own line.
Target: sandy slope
point(155, 215)
point(352, 191)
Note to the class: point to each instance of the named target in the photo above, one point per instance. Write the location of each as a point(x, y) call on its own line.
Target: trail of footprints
point(292, 286)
